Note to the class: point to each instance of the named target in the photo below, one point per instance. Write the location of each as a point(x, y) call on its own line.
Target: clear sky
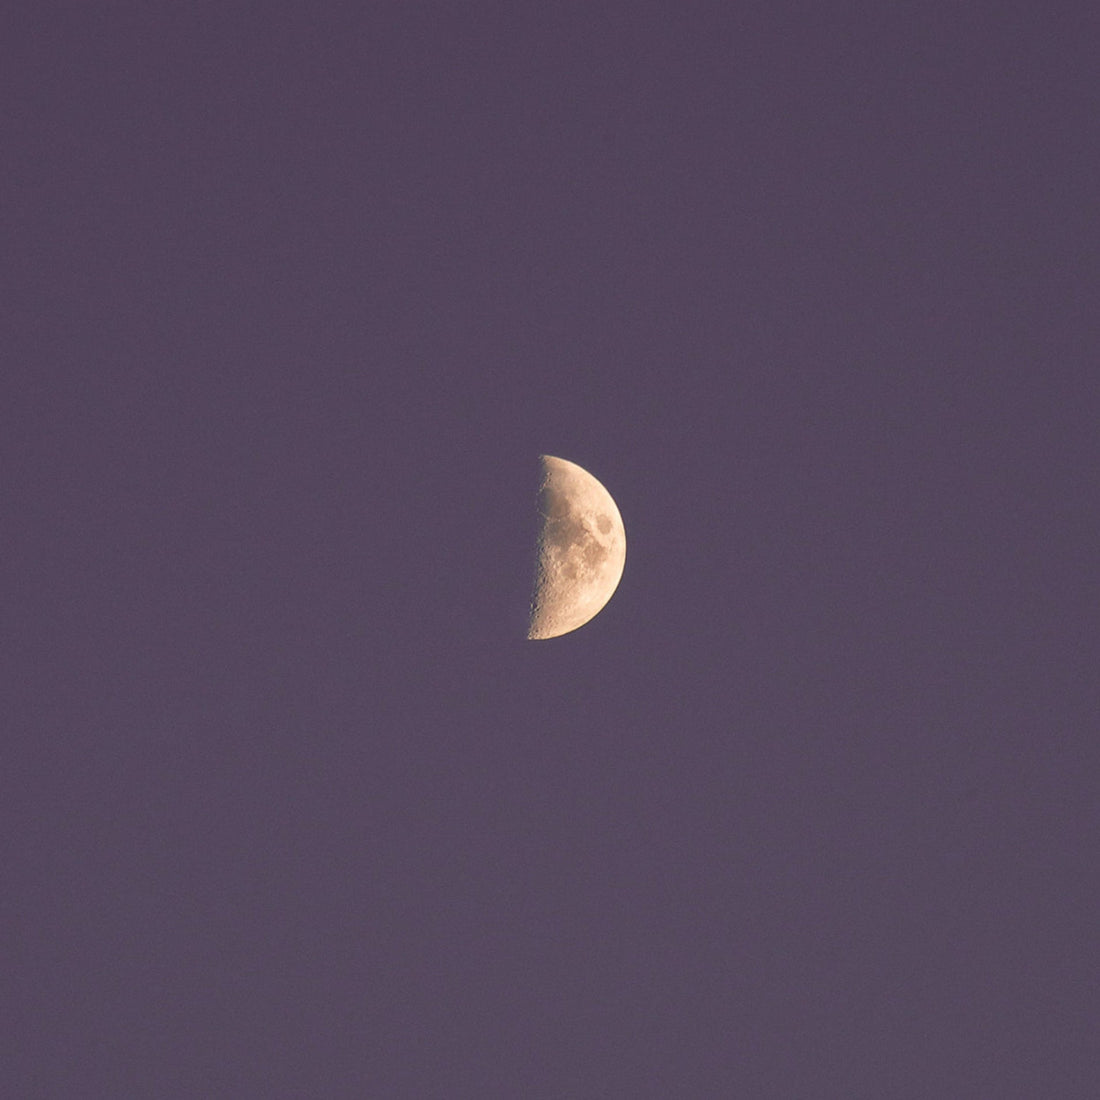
point(294, 296)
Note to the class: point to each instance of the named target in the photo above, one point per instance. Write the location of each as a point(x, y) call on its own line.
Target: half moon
point(581, 549)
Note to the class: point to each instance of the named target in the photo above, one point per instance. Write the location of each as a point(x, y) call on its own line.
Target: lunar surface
point(581, 549)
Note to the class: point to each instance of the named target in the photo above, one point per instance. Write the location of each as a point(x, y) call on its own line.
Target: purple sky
point(294, 296)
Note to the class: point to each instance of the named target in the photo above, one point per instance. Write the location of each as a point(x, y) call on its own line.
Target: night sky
point(293, 298)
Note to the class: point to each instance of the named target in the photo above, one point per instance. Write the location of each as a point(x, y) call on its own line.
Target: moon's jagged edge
point(581, 549)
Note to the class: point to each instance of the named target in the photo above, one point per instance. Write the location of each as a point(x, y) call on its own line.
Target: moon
point(581, 549)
